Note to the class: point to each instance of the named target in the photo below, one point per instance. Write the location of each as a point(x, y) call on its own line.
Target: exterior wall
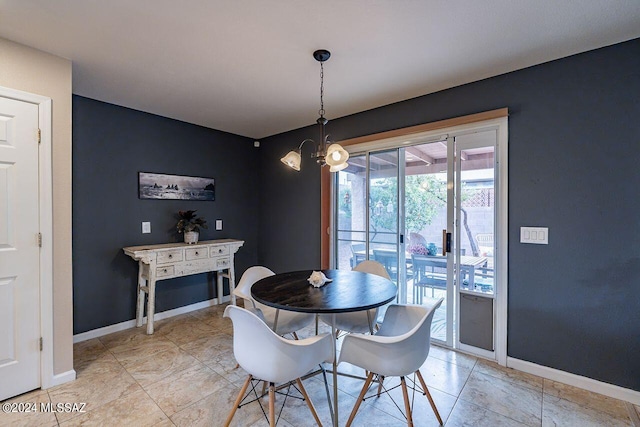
point(40, 73)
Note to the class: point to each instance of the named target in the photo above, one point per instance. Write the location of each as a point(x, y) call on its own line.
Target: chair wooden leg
point(367, 383)
point(309, 402)
point(426, 392)
point(272, 405)
point(407, 406)
point(237, 402)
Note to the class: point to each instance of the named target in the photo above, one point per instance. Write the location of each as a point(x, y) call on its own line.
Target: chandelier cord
point(321, 111)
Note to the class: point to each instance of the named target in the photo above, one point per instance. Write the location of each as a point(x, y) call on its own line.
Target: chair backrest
point(372, 267)
point(249, 277)
point(269, 357)
point(389, 259)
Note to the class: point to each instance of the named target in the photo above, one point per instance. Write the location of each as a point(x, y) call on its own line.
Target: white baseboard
point(58, 379)
point(129, 324)
point(585, 383)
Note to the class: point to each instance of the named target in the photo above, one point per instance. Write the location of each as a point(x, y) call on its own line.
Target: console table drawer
point(219, 250)
point(169, 270)
point(196, 253)
point(165, 257)
point(223, 262)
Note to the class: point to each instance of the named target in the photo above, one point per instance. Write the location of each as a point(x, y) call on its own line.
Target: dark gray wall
point(111, 145)
point(574, 151)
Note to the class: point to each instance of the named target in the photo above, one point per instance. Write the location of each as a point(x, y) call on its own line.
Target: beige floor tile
point(207, 349)
point(421, 409)
point(451, 356)
point(88, 350)
point(214, 409)
point(224, 363)
point(182, 389)
point(297, 412)
point(515, 401)
point(136, 409)
point(142, 348)
point(105, 384)
point(184, 330)
point(509, 374)
point(444, 376)
point(613, 407)
point(163, 364)
point(106, 362)
point(561, 412)
point(29, 411)
point(466, 414)
point(125, 337)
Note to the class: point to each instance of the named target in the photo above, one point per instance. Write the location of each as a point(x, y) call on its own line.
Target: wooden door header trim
point(426, 127)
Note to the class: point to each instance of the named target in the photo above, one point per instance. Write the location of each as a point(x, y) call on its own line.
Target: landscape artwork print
point(175, 187)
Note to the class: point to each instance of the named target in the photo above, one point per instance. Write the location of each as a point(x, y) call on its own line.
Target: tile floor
point(184, 375)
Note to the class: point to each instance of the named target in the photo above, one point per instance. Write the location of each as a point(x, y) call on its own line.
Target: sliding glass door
point(426, 211)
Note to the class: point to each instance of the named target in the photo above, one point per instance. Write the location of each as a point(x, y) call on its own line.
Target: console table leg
point(140, 305)
point(220, 278)
point(232, 283)
point(151, 304)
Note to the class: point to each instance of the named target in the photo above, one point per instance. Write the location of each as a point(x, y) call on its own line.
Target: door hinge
point(39, 136)
point(40, 239)
point(40, 343)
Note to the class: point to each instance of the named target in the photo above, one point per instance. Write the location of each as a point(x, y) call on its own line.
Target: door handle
point(446, 242)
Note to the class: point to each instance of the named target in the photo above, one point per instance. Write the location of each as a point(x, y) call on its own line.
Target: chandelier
point(326, 153)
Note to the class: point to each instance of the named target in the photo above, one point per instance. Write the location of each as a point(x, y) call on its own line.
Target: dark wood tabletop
point(349, 291)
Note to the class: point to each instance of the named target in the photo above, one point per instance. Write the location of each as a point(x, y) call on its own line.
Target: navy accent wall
point(111, 145)
point(574, 156)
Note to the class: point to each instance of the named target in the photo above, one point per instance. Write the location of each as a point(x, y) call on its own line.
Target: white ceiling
point(245, 66)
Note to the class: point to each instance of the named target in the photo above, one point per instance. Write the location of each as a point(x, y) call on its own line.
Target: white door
point(19, 248)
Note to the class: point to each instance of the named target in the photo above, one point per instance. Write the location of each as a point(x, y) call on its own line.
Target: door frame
point(494, 119)
point(45, 207)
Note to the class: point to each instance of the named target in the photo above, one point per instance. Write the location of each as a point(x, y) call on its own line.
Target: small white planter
point(191, 237)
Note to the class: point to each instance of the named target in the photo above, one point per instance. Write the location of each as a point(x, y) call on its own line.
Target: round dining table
point(348, 291)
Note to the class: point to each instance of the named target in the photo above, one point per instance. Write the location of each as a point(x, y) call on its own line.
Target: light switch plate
point(534, 235)
point(218, 224)
point(146, 227)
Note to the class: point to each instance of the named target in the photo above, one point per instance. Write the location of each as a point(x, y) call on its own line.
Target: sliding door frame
point(495, 119)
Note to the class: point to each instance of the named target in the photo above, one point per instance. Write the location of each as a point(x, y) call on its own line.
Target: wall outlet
point(218, 224)
point(146, 227)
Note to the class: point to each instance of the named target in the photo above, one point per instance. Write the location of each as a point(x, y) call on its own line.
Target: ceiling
point(246, 66)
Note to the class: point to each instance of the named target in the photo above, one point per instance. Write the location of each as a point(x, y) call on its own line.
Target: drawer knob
point(196, 252)
point(165, 270)
point(170, 256)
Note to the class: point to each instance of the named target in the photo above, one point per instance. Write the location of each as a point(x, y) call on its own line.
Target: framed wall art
point(175, 187)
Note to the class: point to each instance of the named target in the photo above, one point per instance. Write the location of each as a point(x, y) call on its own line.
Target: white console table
point(166, 261)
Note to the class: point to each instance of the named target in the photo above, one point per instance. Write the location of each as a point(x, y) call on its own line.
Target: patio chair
point(389, 259)
point(426, 275)
point(358, 253)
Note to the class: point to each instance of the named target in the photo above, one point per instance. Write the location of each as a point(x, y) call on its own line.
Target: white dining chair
point(268, 357)
point(399, 348)
point(359, 321)
point(288, 321)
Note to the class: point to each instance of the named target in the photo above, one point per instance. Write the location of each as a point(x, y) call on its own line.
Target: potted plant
point(190, 225)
